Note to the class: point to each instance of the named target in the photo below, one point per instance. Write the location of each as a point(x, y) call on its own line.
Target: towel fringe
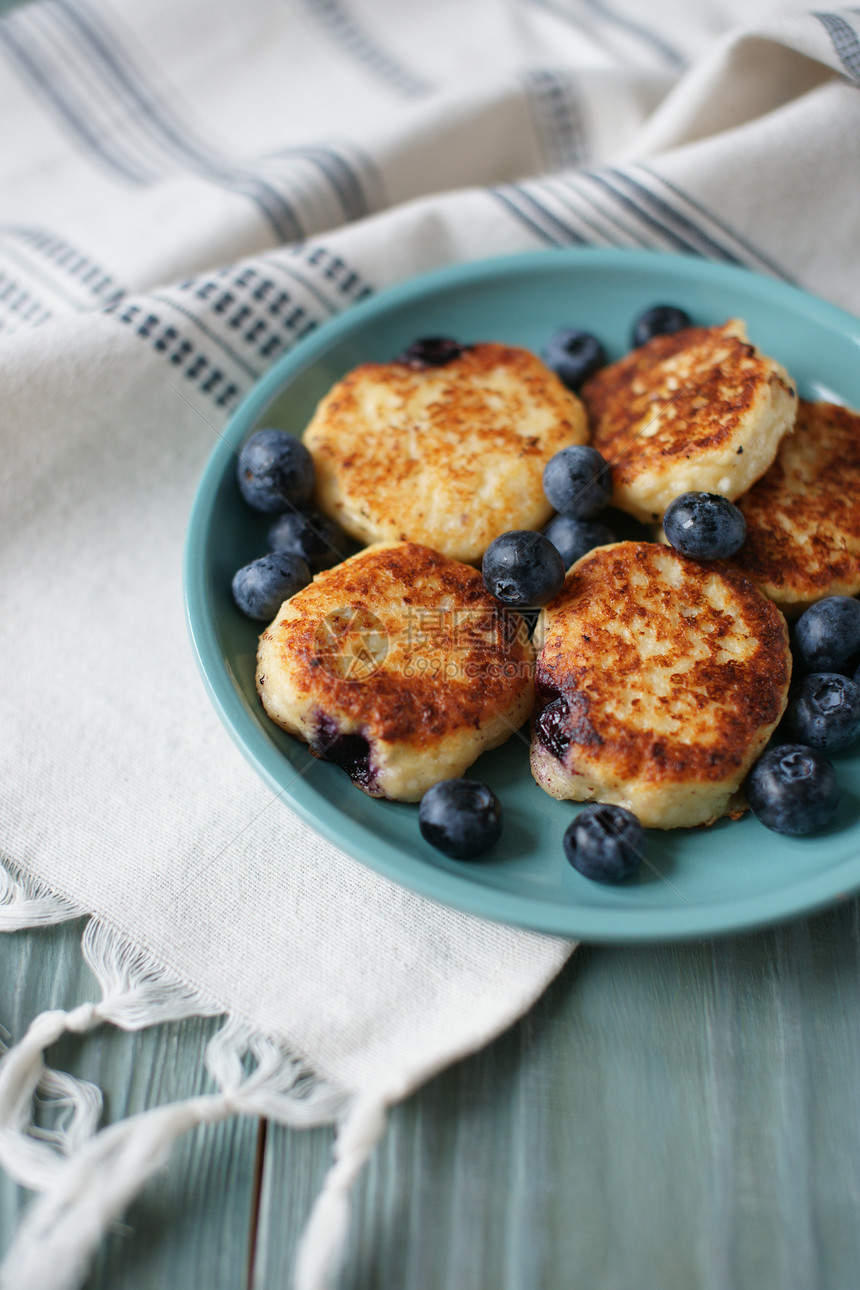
point(28, 903)
point(88, 1177)
point(322, 1246)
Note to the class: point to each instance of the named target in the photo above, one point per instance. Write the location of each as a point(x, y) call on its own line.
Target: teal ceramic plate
point(699, 882)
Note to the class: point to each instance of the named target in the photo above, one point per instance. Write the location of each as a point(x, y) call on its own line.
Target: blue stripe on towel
point(341, 174)
point(845, 42)
point(52, 260)
point(609, 19)
point(672, 216)
point(22, 52)
point(606, 225)
point(626, 202)
point(637, 29)
point(351, 36)
point(521, 202)
point(111, 63)
point(558, 117)
point(755, 256)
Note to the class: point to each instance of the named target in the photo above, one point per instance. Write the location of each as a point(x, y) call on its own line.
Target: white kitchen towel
point(188, 187)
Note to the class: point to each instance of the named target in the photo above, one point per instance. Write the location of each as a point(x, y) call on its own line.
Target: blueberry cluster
point(275, 473)
point(793, 788)
point(524, 569)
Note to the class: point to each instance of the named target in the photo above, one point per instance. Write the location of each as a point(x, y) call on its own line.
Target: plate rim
point(535, 913)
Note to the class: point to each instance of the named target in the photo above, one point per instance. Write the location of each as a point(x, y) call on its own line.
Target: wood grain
point(191, 1225)
point(681, 1116)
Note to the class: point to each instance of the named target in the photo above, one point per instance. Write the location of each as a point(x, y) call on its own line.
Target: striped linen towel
point(189, 188)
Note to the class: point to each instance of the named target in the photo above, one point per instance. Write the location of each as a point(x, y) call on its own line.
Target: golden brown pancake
point(701, 410)
point(659, 682)
point(803, 515)
point(398, 666)
point(448, 456)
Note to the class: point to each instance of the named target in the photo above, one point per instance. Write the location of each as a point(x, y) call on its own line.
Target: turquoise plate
point(699, 882)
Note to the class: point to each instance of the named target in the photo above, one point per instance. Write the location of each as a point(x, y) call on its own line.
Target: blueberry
point(351, 752)
point(704, 526)
point(573, 355)
point(573, 538)
point(827, 635)
point(261, 587)
point(275, 471)
point(431, 351)
point(662, 320)
point(522, 569)
point(460, 817)
point(317, 539)
point(577, 482)
point(825, 711)
point(552, 727)
point(605, 843)
point(793, 789)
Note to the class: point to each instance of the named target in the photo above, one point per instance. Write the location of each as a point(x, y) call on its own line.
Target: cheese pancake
point(698, 411)
point(659, 682)
point(450, 456)
point(398, 666)
point(803, 515)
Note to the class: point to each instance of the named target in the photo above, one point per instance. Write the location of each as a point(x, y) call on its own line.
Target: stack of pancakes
point(657, 680)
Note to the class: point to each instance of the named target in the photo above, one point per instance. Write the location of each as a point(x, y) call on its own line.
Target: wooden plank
point(191, 1225)
point(682, 1116)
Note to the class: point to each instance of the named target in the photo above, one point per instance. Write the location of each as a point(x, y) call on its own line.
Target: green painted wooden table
point(679, 1116)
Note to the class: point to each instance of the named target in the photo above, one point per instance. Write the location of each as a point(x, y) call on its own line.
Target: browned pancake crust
point(803, 515)
point(448, 456)
point(674, 399)
point(591, 655)
point(453, 657)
